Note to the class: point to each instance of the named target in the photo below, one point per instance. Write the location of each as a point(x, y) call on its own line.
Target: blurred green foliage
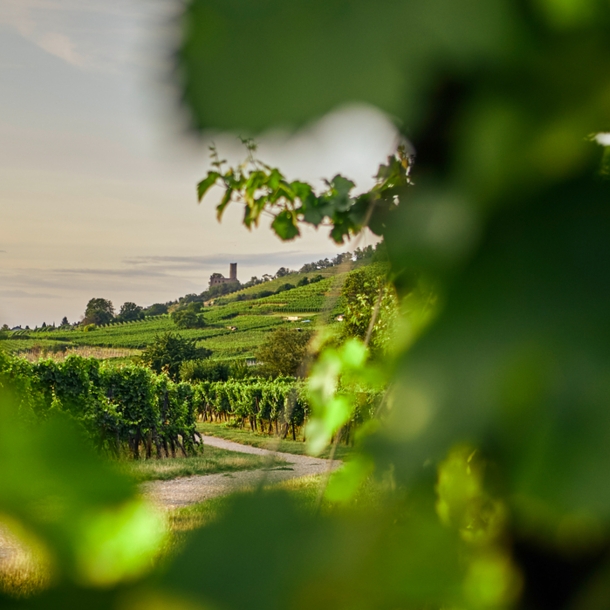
point(85, 513)
point(507, 223)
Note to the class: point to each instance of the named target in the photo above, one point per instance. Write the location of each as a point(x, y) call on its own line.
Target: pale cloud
point(26, 16)
point(23, 294)
point(61, 46)
point(271, 260)
point(76, 30)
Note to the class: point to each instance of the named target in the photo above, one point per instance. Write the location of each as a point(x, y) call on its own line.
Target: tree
point(130, 312)
point(284, 287)
point(189, 316)
point(169, 351)
point(263, 293)
point(254, 280)
point(64, 322)
point(360, 293)
point(284, 352)
point(157, 309)
point(364, 253)
point(99, 312)
point(283, 272)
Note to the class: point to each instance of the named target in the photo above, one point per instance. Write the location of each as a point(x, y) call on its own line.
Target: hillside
point(235, 328)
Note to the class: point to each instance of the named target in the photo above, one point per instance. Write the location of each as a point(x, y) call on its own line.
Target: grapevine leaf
point(275, 177)
point(285, 225)
point(206, 184)
point(220, 208)
point(344, 483)
point(255, 181)
point(68, 488)
point(338, 199)
point(311, 212)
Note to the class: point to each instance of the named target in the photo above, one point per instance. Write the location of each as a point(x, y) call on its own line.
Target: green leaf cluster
point(263, 189)
point(285, 351)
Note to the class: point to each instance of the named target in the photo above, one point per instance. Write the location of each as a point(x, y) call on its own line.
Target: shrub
point(169, 351)
point(284, 352)
point(205, 370)
point(264, 293)
point(157, 309)
point(189, 316)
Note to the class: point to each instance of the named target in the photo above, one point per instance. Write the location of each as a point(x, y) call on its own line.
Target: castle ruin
point(218, 278)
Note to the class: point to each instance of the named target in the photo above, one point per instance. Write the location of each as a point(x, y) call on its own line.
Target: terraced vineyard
point(234, 329)
point(273, 285)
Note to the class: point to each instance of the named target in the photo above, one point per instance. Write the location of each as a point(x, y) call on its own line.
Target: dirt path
point(189, 490)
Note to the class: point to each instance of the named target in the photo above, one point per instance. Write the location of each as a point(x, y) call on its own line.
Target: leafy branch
point(265, 190)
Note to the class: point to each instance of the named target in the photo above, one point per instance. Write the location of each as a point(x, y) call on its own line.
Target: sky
point(98, 173)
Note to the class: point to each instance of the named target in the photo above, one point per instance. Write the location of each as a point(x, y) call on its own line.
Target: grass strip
point(212, 461)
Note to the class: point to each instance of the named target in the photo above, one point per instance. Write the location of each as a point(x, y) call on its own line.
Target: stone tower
point(233, 271)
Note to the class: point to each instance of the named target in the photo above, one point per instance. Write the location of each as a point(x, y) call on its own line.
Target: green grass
point(212, 461)
point(265, 441)
point(191, 517)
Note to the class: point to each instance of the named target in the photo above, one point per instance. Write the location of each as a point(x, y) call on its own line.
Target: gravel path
point(189, 490)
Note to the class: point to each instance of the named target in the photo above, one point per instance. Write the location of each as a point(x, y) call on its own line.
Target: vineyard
point(276, 407)
point(233, 329)
point(123, 410)
point(130, 410)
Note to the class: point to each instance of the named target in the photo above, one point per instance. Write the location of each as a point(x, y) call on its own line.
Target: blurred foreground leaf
point(255, 64)
point(80, 507)
point(518, 361)
point(286, 558)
